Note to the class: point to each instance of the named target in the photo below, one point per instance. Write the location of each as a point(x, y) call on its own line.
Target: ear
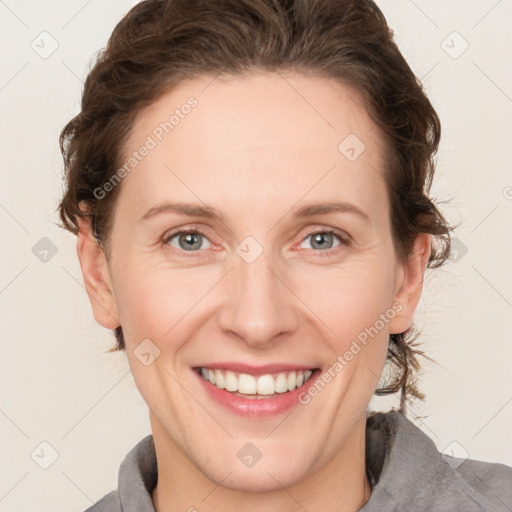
point(409, 284)
point(96, 275)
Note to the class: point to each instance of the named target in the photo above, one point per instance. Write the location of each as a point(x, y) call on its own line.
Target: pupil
point(191, 241)
point(319, 238)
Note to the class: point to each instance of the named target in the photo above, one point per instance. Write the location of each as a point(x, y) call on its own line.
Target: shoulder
point(109, 503)
point(489, 479)
point(413, 475)
point(137, 478)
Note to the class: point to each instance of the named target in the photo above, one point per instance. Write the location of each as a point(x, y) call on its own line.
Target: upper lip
point(256, 370)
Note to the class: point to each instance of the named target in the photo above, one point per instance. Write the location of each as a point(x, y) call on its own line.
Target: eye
point(190, 241)
point(323, 240)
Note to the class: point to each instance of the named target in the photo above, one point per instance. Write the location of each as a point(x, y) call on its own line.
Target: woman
point(219, 146)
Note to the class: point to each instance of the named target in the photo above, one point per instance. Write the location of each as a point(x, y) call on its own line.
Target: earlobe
point(410, 284)
point(96, 275)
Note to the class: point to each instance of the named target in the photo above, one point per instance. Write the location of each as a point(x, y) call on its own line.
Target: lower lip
point(254, 407)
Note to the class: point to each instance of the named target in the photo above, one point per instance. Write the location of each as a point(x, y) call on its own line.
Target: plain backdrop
point(60, 388)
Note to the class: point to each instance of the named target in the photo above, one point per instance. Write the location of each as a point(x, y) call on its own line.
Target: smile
point(250, 386)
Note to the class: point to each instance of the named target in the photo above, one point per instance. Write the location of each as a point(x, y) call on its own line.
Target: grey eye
point(188, 241)
point(322, 240)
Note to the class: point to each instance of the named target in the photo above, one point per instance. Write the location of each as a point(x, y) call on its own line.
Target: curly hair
point(159, 43)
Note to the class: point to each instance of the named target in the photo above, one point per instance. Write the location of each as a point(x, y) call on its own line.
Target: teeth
point(246, 384)
point(265, 385)
point(291, 381)
point(281, 383)
point(231, 382)
point(219, 380)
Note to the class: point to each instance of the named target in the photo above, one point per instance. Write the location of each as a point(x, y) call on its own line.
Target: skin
point(255, 151)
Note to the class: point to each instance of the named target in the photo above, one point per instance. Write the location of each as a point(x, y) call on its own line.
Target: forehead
point(239, 140)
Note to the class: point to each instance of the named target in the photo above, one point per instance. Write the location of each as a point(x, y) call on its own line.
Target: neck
point(341, 485)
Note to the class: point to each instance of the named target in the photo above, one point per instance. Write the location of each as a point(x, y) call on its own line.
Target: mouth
point(256, 392)
point(249, 386)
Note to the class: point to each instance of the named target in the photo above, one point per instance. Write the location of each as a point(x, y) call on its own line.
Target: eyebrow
point(330, 207)
point(193, 210)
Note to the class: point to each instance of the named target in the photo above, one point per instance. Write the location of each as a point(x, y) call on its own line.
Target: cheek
point(348, 299)
point(354, 304)
point(154, 300)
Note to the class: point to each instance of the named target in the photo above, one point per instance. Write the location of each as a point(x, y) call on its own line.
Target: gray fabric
point(405, 469)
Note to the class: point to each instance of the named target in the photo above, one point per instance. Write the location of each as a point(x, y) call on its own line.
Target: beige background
point(57, 384)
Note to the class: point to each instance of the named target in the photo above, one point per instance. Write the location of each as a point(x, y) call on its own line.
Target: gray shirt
point(406, 471)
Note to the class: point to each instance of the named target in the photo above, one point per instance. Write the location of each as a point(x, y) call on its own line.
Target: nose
point(259, 305)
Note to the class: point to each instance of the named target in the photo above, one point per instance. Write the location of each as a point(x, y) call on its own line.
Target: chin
point(259, 480)
point(270, 473)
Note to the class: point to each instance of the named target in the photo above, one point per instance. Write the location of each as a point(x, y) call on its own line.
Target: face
point(252, 245)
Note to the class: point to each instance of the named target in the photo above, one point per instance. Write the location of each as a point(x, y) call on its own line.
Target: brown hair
point(161, 42)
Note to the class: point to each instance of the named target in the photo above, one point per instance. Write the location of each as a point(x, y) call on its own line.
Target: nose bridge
point(259, 306)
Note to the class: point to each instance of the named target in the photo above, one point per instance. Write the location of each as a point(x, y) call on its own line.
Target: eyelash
point(344, 241)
